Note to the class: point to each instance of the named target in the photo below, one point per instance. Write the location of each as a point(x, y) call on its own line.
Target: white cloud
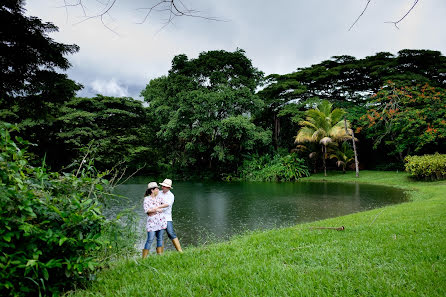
point(278, 36)
point(109, 88)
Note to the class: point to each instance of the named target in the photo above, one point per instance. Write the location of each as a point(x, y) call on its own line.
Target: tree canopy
point(203, 110)
point(32, 89)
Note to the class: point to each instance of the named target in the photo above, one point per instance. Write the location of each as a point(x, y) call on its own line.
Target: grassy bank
point(397, 250)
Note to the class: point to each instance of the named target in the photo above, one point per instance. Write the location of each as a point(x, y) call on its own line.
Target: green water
point(209, 211)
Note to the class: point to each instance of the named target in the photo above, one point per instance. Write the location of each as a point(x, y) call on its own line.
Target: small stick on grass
point(342, 228)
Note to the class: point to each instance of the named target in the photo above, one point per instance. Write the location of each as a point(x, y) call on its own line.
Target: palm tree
point(323, 125)
point(343, 155)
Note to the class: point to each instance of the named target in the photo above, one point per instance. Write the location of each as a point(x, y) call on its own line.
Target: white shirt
point(168, 198)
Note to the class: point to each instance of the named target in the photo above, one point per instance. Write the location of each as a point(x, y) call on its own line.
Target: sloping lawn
point(397, 250)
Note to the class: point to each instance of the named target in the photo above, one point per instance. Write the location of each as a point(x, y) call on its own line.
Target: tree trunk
point(354, 147)
point(324, 148)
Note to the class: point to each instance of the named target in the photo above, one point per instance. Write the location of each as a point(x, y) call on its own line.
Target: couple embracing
point(158, 207)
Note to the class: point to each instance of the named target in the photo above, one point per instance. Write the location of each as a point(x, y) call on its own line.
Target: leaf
point(7, 237)
point(31, 263)
point(62, 240)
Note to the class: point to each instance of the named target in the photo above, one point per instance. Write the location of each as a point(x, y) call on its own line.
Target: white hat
point(167, 183)
point(152, 185)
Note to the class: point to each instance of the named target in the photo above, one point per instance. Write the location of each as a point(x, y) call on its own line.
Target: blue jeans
point(151, 237)
point(170, 232)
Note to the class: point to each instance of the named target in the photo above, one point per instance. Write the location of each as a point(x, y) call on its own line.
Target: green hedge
point(427, 167)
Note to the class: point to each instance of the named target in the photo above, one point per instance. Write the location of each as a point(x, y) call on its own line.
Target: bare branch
point(395, 22)
point(365, 8)
point(173, 8)
point(404, 16)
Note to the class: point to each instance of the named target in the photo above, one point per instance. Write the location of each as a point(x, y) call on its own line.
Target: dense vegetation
point(51, 227)
point(427, 167)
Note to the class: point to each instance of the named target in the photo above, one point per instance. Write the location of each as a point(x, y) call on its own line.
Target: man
point(169, 198)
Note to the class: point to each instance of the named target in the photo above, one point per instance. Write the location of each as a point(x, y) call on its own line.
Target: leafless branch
point(173, 8)
point(365, 8)
point(404, 16)
point(395, 22)
point(105, 12)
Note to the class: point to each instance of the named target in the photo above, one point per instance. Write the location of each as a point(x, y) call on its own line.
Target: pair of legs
point(172, 236)
point(159, 242)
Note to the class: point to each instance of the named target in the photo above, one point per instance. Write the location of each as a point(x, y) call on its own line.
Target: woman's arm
point(152, 210)
point(161, 207)
point(148, 209)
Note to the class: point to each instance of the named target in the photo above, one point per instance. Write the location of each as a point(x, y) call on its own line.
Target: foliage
point(407, 119)
point(32, 85)
point(202, 112)
point(429, 167)
point(274, 168)
point(348, 81)
point(323, 125)
point(50, 223)
point(345, 81)
point(322, 121)
point(118, 128)
point(280, 112)
point(343, 154)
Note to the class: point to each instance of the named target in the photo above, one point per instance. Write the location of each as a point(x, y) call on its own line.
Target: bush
point(50, 223)
point(276, 168)
point(427, 167)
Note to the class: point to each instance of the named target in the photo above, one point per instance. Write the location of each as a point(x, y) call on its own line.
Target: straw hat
point(152, 185)
point(167, 183)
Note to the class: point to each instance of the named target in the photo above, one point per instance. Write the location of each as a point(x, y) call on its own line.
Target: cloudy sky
point(118, 56)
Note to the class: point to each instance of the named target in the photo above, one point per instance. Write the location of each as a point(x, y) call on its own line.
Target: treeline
point(217, 115)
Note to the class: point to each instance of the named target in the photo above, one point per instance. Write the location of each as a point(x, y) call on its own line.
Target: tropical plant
point(278, 167)
point(323, 125)
point(343, 154)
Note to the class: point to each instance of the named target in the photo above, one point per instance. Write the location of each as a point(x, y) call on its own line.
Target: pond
point(211, 211)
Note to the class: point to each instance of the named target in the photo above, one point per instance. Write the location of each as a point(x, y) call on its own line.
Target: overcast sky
point(278, 36)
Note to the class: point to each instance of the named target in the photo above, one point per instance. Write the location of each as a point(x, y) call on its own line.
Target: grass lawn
point(397, 250)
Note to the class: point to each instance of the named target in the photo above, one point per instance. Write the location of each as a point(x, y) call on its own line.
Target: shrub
point(428, 167)
point(50, 223)
point(276, 168)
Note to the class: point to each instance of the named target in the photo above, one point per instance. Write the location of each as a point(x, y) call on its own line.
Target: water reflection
point(217, 210)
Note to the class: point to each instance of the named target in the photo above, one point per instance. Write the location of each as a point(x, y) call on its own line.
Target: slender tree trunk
point(354, 147)
point(324, 148)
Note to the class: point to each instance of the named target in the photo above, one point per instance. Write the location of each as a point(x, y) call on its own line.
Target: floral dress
point(155, 221)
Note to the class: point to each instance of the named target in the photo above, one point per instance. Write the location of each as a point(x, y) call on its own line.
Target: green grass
point(398, 250)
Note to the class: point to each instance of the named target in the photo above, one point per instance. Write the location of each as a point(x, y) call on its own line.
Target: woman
point(156, 221)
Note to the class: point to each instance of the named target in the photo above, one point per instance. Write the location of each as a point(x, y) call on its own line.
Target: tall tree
point(349, 81)
point(407, 120)
point(32, 87)
point(202, 107)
